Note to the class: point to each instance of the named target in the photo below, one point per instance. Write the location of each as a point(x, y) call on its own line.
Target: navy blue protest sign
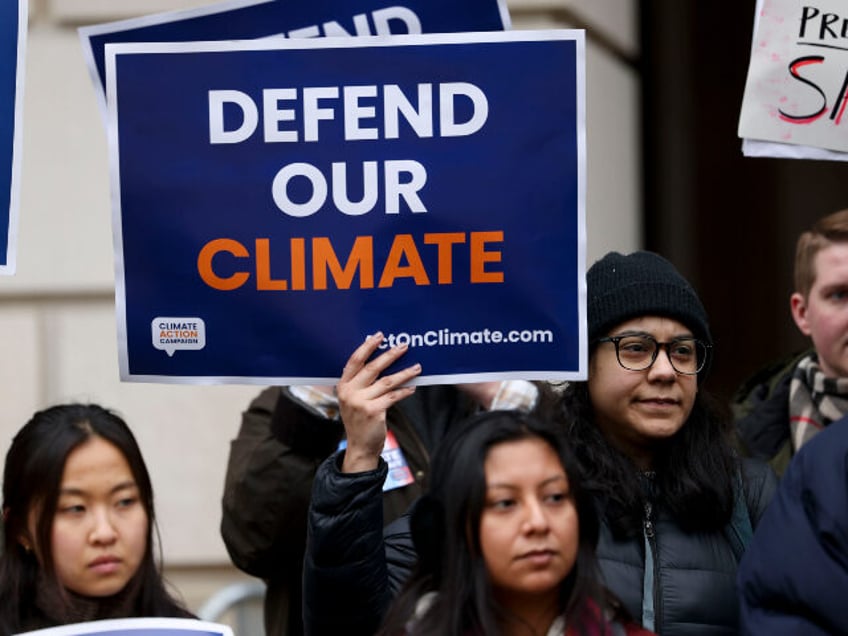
point(278, 202)
point(13, 23)
point(250, 19)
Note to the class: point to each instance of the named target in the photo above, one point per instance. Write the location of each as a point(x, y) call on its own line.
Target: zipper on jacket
point(651, 603)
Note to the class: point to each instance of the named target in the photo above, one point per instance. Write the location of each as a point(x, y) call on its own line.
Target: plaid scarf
point(815, 400)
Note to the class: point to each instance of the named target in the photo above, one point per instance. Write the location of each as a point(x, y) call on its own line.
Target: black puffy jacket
point(692, 576)
point(346, 585)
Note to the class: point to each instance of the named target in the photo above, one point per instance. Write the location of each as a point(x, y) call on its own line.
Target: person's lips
point(540, 557)
point(659, 402)
point(106, 564)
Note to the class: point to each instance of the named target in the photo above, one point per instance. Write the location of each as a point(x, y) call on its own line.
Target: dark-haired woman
point(78, 524)
point(677, 506)
point(506, 539)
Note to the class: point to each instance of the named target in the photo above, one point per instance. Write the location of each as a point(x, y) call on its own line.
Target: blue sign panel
point(13, 21)
point(249, 19)
point(278, 202)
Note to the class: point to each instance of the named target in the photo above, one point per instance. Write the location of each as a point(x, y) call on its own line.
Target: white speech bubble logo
point(172, 333)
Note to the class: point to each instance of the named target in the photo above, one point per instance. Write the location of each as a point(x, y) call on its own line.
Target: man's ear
point(798, 304)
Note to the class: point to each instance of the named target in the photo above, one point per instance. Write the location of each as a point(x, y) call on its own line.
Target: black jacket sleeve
point(401, 556)
point(345, 578)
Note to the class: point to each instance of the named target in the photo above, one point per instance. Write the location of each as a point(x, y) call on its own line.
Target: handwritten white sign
point(797, 87)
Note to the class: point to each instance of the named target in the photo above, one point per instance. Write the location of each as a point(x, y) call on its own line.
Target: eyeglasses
point(637, 352)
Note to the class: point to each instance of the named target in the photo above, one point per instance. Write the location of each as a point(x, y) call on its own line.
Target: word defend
point(382, 19)
point(358, 103)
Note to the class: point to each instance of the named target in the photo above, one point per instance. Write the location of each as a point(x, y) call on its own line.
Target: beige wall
point(57, 326)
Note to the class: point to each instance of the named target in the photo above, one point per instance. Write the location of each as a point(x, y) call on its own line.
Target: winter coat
point(268, 484)
point(761, 410)
point(794, 576)
point(349, 562)
point(691, 575)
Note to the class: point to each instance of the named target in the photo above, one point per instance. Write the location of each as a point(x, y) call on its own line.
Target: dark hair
point(32, 479)
point(445, 528)
point(694, 470)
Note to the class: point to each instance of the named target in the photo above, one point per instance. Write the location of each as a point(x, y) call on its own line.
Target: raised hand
point(365, 396)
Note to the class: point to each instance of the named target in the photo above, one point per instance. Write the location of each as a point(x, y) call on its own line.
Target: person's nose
point(535, 520)
point(662, 370)
point(103, 531)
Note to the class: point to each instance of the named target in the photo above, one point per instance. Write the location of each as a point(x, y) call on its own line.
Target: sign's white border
point(141, 626)
point(113, 50)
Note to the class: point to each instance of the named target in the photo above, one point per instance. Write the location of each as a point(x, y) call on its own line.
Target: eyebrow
point(834, 286)
point(545, 482)
point(124, 485)
point(679, 336)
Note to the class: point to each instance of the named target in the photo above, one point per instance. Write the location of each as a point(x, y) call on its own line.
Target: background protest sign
point(276, 202)
point(797, 87)
point(250, 19)
point(137, 627)
point(13, 28)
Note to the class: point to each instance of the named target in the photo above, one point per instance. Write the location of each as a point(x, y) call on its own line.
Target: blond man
point(786, 406)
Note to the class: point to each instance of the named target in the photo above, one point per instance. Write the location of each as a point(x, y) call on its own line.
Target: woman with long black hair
point(506, 539)
point(78, 524)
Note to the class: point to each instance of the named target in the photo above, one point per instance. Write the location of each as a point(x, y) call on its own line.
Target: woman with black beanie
point(677, 505)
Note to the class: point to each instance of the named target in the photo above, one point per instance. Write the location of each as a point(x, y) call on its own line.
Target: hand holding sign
point(365, 396)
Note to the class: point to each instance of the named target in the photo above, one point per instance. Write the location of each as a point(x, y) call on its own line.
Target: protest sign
point(13, 29)
point(797, 87)
point(277, 202)
point(137, 627)
point(250, 19)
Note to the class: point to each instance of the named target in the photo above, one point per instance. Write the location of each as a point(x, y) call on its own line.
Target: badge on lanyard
point(399, 472)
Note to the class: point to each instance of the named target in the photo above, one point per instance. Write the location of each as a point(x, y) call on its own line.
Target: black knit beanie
point(620, 287)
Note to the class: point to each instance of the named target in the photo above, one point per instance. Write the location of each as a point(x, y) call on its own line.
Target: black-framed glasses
point(637, 352)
